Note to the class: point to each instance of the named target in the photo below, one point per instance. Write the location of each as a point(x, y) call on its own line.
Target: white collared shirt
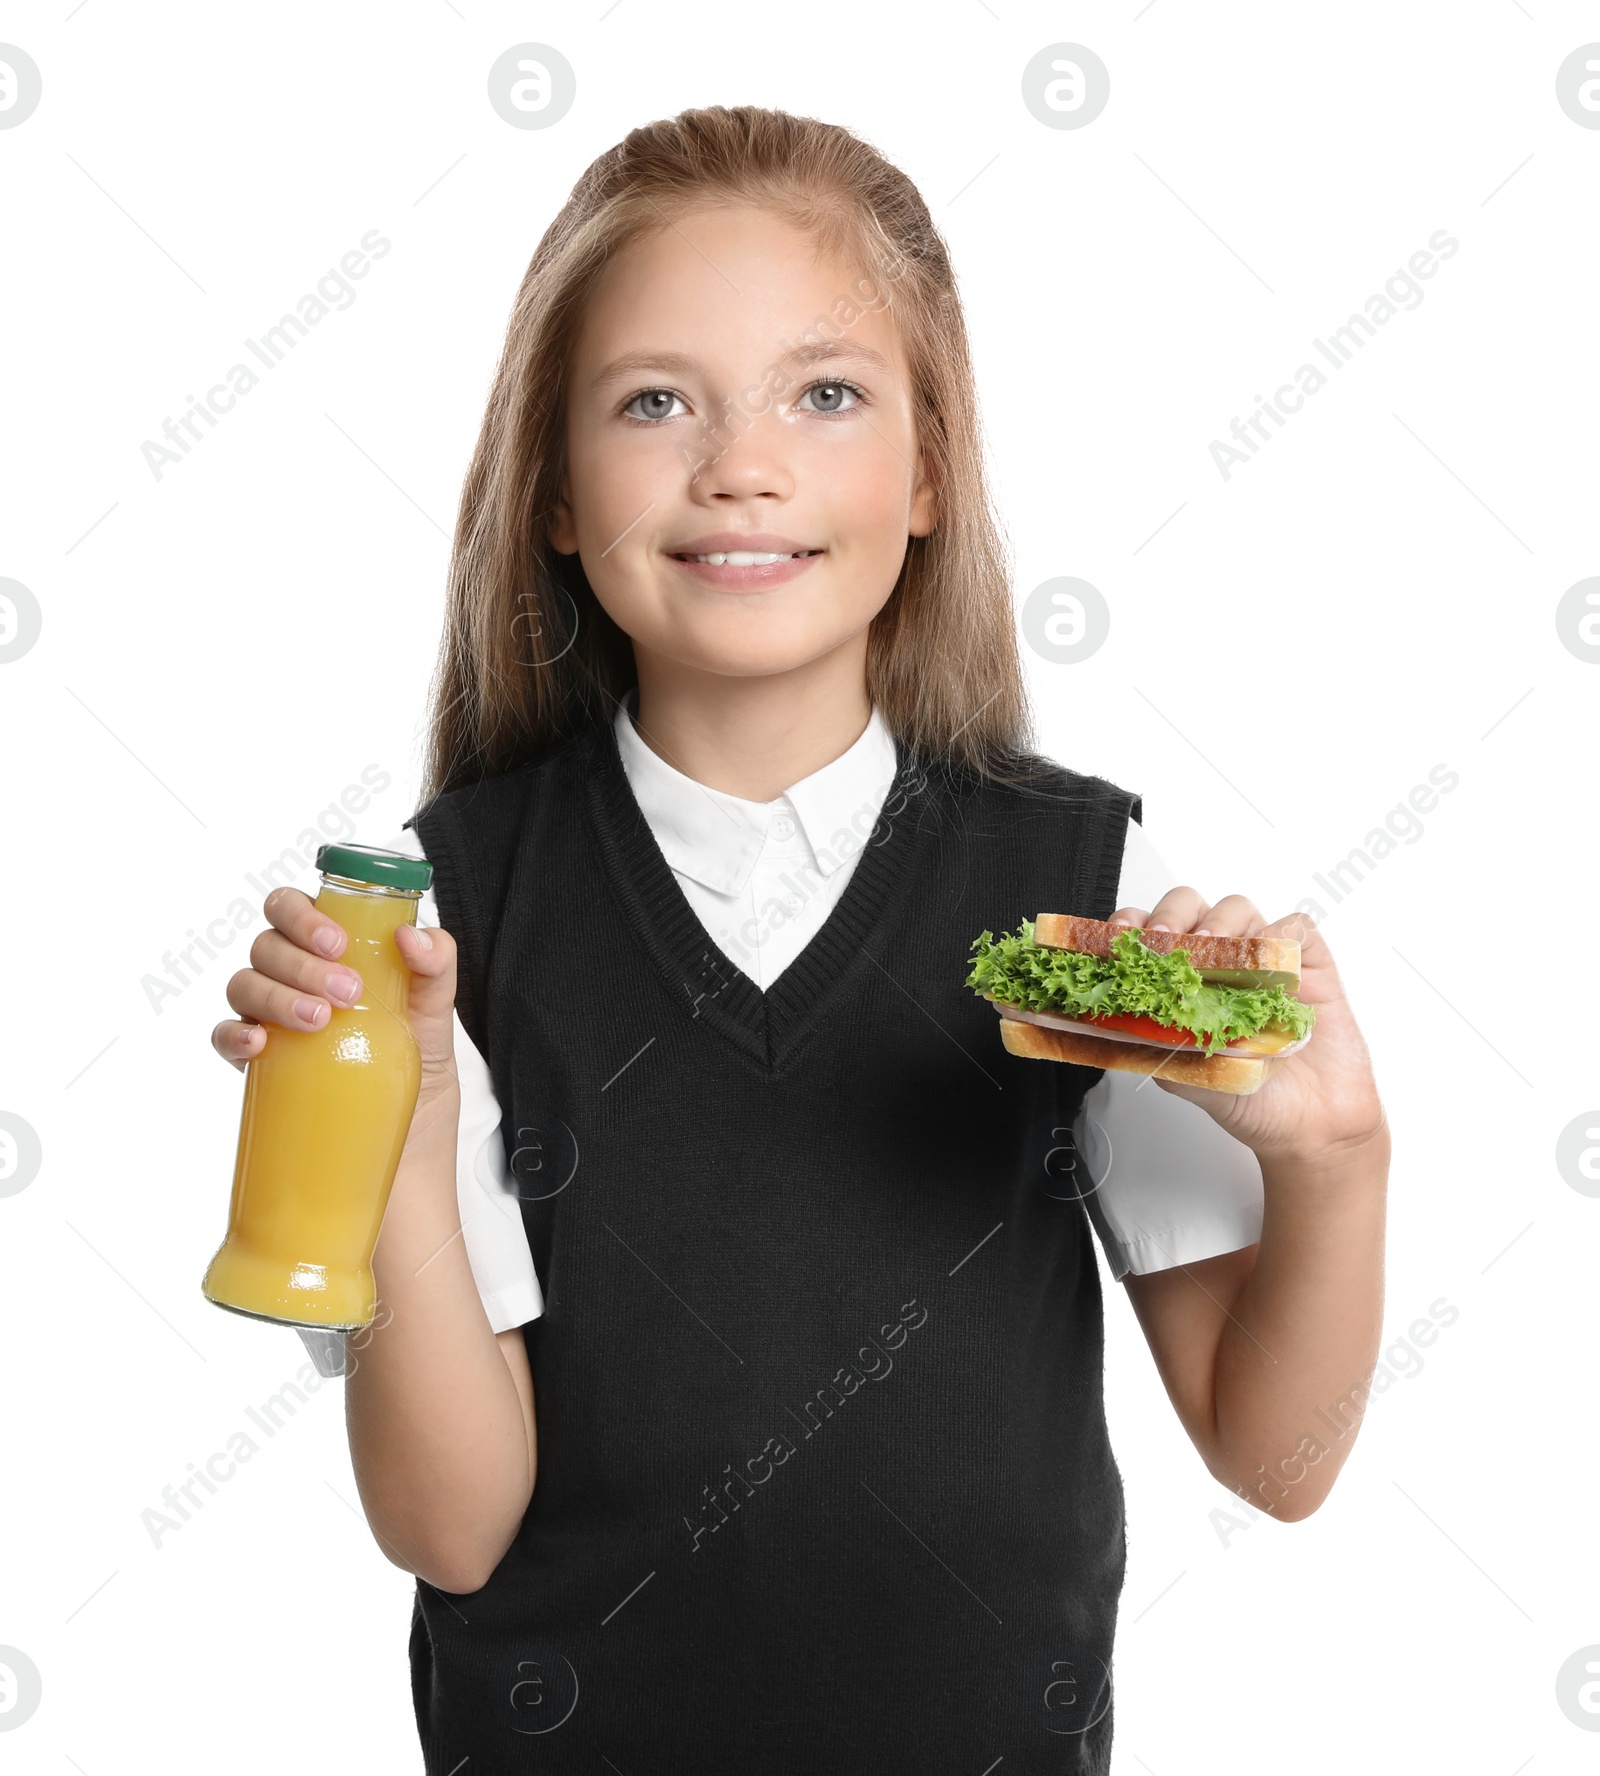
point(762, 877)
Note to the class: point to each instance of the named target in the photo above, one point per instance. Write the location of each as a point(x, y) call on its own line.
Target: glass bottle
point(325, 1118)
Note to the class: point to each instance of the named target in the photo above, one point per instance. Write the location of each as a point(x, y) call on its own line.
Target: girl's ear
point(562, 530)
point(924, 506)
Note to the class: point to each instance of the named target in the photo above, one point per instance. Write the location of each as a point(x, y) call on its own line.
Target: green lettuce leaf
point(1132, 980)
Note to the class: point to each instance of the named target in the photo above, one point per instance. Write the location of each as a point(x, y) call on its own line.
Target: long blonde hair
point(529, 660)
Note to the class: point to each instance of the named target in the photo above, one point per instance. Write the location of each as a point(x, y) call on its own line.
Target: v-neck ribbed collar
point(766, 1026)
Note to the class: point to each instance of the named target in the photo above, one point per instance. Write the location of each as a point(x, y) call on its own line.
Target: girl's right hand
point(295, 979)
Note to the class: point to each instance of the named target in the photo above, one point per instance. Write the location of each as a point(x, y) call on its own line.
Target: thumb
point(429, 952)
point(1221, 1107)
point(1195, 1094)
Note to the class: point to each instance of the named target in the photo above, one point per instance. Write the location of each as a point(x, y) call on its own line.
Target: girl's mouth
point(740, 570)
point(747, 557)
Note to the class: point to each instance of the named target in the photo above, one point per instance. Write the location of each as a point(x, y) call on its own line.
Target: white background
point(225, 648)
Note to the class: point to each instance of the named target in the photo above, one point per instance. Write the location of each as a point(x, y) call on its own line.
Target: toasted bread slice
point(1229, 961)
point(1238, 1075)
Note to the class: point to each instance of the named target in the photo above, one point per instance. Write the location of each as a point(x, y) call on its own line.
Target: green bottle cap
point(368, 863)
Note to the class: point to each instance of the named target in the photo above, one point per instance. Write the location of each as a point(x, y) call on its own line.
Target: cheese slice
point(1271, 1039)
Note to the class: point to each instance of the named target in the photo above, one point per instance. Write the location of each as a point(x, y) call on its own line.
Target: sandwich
point(1217, 1012)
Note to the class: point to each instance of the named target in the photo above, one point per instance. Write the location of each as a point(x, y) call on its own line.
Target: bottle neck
point(371, 915)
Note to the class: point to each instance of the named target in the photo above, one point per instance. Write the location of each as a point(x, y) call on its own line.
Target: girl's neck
point(753, 737)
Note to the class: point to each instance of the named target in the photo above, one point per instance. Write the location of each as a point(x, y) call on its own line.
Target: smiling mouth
point(747, 557)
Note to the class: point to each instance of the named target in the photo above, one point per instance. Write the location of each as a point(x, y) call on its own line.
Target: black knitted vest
point(824, 1484)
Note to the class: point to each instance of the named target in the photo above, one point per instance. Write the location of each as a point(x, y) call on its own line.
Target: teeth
point(745, 558)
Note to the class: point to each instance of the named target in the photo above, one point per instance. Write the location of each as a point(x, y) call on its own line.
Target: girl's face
point(733, 391)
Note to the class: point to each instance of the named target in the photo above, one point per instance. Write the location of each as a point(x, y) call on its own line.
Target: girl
point(823, 1480)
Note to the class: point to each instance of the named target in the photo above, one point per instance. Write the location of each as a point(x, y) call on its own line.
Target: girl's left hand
point(1314, 1105)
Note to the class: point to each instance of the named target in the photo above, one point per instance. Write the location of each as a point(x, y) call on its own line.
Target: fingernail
point(326, 939)
point(1158, 928)
point(1204, 931)
point(309, 1011)
point(422, 937)
point(343, 985)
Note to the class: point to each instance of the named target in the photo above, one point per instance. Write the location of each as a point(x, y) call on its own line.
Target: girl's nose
point(742, 458)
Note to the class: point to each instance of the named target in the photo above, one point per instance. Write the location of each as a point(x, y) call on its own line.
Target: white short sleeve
point(1174, 1187)
point(491, 1221)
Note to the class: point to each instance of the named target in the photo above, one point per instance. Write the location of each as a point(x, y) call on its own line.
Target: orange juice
point(325, 1118)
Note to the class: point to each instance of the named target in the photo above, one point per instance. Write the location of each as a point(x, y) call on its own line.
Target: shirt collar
point(716, 838)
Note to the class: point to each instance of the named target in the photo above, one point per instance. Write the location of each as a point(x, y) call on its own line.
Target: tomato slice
point(1145, 1028)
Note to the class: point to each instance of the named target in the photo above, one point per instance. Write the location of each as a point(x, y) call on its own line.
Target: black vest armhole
point(460, 908)
point(1099, 871)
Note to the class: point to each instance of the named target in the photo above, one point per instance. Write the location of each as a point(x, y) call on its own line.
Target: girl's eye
point(655, 404)
point(832, 397)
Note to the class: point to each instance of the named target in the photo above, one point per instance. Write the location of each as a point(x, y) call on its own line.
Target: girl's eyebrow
point(630, 363)
point(679, 363)
point(816, 351)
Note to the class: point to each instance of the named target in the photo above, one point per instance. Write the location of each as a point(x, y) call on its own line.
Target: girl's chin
point(766, 656)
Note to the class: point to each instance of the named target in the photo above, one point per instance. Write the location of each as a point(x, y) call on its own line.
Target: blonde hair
point(529, 660)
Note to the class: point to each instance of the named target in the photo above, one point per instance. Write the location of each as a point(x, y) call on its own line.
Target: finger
point(296, 916)
point(1305, 931)
point(266, 1001)
point(430, 953)
point(1129, 916)
point(237, 1042)
point(1179, 909)
point(281, 959)
point(1233, 916)
point(429, 950)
